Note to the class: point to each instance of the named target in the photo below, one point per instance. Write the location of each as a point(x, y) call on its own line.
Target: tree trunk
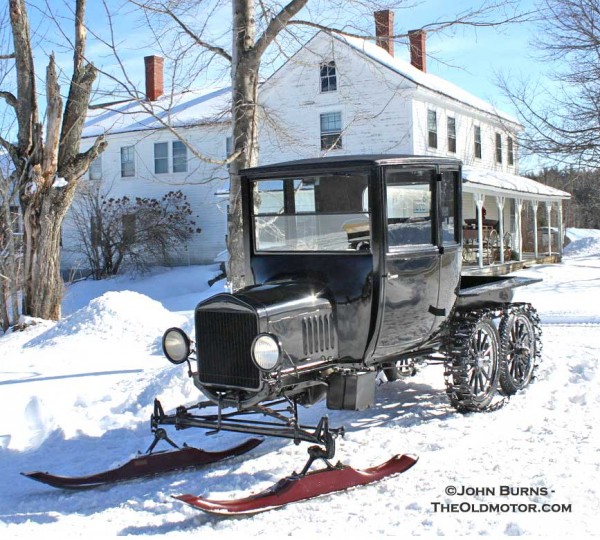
point(244, 110)
point(43, 288)
point(47, 171)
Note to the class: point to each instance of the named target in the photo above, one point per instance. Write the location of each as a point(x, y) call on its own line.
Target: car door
point(450, 220)
point(412, 259)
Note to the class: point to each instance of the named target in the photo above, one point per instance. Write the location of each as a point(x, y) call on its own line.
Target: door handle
point(391, 276)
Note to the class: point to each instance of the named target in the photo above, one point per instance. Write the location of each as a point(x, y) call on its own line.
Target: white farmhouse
point(336, 95)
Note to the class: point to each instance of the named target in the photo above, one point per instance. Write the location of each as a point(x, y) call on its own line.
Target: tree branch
point(10, 98)
point(167, 11)
point(277, 24)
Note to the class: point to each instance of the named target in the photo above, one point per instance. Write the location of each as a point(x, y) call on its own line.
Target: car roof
point(341, 162)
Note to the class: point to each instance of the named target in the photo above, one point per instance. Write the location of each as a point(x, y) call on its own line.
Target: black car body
point(355, 262)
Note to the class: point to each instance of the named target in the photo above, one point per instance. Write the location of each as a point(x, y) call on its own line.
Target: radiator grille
point(317, 334)
point(223, 342)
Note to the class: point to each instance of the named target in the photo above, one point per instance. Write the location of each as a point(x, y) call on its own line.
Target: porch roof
point(508, 185)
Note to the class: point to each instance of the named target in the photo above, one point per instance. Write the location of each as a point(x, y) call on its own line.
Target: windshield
point(311, 213)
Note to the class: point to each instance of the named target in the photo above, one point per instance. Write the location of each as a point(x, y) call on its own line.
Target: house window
point(161, 158)
point(95, 170)
point(179, 157)
point(511, 151)
point(498, 148)
point(127, 161)
point(452, 134)
point(432, 129)
point(331, 131)
point(328, 77)
point(478, 142)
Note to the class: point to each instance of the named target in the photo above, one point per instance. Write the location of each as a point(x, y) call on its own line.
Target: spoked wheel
point(520, 338)
point(474, 362)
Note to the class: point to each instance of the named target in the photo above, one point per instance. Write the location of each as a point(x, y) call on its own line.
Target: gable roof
point(420, 78)
point(190, 108)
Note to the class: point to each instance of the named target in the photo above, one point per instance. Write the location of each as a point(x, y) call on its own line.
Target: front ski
point(296, 488)
point(146, 465)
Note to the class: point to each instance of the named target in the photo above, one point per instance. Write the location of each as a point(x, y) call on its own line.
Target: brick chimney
point(154, 77)
point(418, 43)
point(384, 29)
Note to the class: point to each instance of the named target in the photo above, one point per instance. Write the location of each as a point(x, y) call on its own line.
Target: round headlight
point(176, 345)
point(266, 352)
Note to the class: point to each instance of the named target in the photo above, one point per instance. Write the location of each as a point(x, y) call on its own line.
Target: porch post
point(500, 204)
point(518, 210)
point(479, 198)
point(534, 207)
point(561, 231)
point(548, 215)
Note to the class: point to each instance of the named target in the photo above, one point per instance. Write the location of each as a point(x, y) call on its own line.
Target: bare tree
point(46, 166)
point(260, 26)
point(562, 117)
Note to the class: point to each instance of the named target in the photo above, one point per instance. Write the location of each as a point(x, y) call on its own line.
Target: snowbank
point(76, 397)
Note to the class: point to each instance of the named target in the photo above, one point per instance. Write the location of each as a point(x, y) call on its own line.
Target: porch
point(509, 222)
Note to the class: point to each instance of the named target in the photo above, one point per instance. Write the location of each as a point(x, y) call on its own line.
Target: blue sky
point(469, 57)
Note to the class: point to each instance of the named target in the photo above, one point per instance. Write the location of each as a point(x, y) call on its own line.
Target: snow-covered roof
point(427, 80)
point(188, 108)
point(501, 183)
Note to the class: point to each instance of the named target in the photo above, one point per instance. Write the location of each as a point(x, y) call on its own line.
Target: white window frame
point(451, 134)
point(432, 134)
point(177, 168)
point(328, 77)
point(477, 147)
point(95, 169)
point(498, 148)
point(510, 148)
point(162, 159)
point(127, 152)
point(328, 134)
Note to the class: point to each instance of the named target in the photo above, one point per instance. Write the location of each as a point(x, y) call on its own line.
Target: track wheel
point(473, 365)
point(520, 338)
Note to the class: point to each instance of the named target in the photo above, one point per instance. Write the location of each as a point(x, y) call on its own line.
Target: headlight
point(266, 352)
point(176, 345)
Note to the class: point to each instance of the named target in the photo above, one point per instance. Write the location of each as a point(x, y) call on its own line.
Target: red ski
point(146, 465)
point(298, 488)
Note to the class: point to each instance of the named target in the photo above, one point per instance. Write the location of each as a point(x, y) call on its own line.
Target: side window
point(161, 158)
point(448, 207)
point(409, 210)
point(180, 158)
point(432, 129)
point(477, 141)
point(127, 161)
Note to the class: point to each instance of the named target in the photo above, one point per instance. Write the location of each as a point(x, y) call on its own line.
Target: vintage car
point(355, 265)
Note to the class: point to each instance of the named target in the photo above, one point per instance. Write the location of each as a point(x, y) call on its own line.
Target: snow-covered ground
point(75, 398)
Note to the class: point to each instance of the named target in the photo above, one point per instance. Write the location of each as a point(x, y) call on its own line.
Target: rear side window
point(409, 198)
point(449, 207)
